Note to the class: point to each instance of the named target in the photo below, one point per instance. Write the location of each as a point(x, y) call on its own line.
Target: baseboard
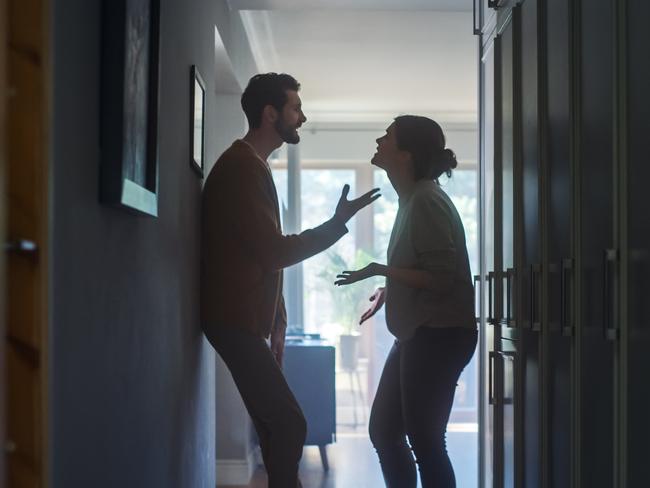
point(234, 472)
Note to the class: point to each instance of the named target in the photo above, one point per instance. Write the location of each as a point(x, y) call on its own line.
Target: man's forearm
point(281, 251)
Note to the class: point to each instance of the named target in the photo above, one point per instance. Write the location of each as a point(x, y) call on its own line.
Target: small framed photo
point(197, 121)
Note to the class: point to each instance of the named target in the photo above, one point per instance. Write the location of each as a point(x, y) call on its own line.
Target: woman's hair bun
point(448, 161)
point(425, 140)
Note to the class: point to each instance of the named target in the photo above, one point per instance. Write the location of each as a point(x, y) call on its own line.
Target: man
point(244, 252)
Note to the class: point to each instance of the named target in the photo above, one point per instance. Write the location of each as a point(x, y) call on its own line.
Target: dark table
point(309, 364)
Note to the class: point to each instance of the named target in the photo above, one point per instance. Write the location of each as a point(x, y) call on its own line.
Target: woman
point(429, 308)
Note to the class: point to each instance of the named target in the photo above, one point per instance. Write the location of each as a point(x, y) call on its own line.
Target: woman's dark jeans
point(414, 400)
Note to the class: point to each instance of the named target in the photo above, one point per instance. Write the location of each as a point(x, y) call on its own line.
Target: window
point(315, 305)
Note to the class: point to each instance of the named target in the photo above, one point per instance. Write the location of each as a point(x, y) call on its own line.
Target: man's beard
point(287, 133)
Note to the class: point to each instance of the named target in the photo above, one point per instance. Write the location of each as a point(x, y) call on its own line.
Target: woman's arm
point(415, 278)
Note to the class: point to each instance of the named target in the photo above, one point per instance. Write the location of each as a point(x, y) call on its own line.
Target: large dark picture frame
point(197, 121)
point(129, 105)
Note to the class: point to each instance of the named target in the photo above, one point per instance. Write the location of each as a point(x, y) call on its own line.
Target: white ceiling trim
point(322, 119)
point(303, 5)
point(260, 38)
point(270, 38)
point(225, 79)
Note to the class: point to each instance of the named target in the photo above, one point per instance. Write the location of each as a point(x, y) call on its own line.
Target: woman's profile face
point(388, 155)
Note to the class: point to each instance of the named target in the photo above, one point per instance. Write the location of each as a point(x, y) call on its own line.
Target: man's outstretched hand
point(346, 209)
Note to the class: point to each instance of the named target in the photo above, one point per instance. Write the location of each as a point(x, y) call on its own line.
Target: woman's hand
point(377, 300)
point(349, 277)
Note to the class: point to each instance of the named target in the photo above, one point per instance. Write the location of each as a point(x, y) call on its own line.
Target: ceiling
point(449, 5)
point(357, 63)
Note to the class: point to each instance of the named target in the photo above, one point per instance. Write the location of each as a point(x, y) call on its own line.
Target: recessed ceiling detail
point(303, 5)
point(358, 64)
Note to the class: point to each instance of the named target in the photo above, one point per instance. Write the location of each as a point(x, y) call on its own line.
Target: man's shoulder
point(238, 157)
point(235, 153)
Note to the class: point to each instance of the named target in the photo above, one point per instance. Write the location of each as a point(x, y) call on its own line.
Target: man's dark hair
point(266, 89)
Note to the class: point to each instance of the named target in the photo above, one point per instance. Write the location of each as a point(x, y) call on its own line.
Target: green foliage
point(349, 301)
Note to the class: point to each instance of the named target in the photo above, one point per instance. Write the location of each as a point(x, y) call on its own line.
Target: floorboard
point(353, 463)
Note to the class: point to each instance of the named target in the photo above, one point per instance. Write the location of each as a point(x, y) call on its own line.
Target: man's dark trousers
point(276, 415)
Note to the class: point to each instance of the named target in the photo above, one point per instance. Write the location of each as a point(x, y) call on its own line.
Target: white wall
point(233, 426)
point(358, 143)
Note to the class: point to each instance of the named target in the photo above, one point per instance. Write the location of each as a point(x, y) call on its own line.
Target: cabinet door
point(637, 286)
point(559, 263)
point(487, 255)
point(507, 124)
point(595, 266)
point(509, 399)
point(528, 248)
point(508, 127)
point(27, 231)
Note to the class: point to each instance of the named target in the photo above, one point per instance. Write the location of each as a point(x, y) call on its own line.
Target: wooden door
point(558, 262)
point(3, 198)
point(635, 280)
point(595, 257)
point(26, 243)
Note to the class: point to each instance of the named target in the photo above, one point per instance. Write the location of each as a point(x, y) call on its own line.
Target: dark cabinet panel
point(559, 265)
point(507, 140)
point(490, 443)
point(508, 146)
point(595, 174)
point(638, 237)
point(529, 247)
point(508, 370)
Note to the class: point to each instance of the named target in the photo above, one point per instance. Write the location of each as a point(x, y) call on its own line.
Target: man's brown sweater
point(243, 248)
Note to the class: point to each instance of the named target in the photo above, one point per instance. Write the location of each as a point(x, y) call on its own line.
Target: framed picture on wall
point(197, 121)
point(129, 105)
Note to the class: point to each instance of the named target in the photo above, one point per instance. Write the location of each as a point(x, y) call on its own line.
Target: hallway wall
point(132, 378)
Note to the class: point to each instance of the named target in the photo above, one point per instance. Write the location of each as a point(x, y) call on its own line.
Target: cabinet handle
point(477, 308)
point(511, 356)
point(491, 399)
point(566, 301)
point(535, 274)
point(610, 331)
point(490, 279)
point(510, 316)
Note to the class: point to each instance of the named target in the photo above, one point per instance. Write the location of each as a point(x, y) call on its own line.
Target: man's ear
point(270, 114)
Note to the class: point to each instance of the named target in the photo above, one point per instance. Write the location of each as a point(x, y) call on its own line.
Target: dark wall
point(132, 379)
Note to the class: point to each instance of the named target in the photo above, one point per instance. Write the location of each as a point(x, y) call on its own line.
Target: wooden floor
point(354, 464)
point(353, 461)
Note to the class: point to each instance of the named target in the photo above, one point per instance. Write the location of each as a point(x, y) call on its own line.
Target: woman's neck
point(403, 184)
